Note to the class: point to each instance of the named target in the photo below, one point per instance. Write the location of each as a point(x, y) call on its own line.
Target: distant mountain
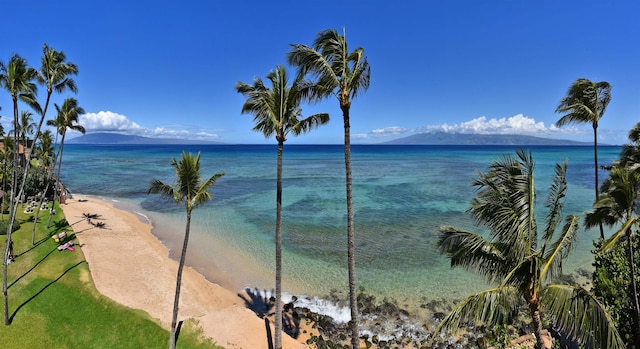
point(116, 138)
point(443, 138)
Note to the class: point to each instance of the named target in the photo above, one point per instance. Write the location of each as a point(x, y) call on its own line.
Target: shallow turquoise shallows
point(402, 194)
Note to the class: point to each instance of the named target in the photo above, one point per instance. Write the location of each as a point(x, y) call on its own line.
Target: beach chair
point(66, 246)
point(58, 237)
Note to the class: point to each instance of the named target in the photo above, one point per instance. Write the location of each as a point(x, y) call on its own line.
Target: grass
point(54, 304)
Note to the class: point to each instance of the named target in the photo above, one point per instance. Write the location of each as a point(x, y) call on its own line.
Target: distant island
point(432, 138)
point(444, 138)
point(116, 138)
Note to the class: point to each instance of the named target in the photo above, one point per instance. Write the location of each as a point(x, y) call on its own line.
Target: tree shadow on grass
point(33, 246)
point(263, 303)
point(32, 268)
point(43, 289)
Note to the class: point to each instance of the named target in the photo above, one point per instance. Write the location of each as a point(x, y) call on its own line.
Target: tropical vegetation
point(523, 258)
point(51, 292)
point(277, 112)
point(618, 207)
point(336, 71)
point(192, 192)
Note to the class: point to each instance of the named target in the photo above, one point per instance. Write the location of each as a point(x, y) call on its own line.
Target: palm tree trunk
point(534, 306)
point(12, 213)
point(278, 320)
point(634, 290)
point(595, 159)
point(353, 297)
point(176, 300)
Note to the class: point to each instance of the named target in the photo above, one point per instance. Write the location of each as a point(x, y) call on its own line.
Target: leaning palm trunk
point(176, 300)
point(12, 214)
point(278, 320)
point(353, 297)
point(536, 318)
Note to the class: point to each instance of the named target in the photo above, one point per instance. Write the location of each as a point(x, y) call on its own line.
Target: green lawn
point(54, 304)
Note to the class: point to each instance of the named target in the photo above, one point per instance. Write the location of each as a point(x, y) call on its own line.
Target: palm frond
point(505, 204)
point(472, 252)
point(203, 194)
point(560, 249)
point(604, 211)
point(578, 314)
point(585, 102)
point(166, 190)
point(613, 239)
point(555, 201)
point(523, 273)
point(490, 307)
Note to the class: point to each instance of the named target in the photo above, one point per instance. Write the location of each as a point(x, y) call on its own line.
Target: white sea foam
point(338, 313)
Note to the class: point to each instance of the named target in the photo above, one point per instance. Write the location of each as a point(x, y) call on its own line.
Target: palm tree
point(618, 206)
point(25, 127)
point(342, 74)
point(45, 153)
point(17, 78)
point(67, 118)
point(276, 112)
point(188, 189)
point(55, 74)
point(523, 260)
point(586, 102)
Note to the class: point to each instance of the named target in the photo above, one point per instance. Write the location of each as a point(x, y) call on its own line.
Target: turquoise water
point(402, 194)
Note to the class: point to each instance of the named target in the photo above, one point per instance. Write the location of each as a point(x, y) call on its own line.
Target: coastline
point(132, 267)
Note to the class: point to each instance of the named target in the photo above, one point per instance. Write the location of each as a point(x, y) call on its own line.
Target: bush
point(611, 284)
point(3, 226)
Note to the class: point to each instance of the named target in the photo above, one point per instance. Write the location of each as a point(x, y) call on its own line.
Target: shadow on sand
point(263, 303)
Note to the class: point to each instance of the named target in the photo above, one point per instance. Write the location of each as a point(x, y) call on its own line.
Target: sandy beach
point(131, 266)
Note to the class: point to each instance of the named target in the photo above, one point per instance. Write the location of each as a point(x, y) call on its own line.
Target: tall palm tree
point(586, 102)
point(276, 112)
point(17, 78)
point(67, 118)
point(188, 189)
point(618, 206)
point(55, 73)
point(342, 74)
point(524, 261)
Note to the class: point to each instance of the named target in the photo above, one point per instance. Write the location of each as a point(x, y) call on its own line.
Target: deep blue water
point(402, 194)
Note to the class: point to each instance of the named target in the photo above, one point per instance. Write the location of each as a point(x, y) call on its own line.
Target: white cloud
point(387, 132)
point(107, 121)
point(517, 124)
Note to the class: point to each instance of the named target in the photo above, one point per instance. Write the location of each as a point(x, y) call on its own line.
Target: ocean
point(402, 194)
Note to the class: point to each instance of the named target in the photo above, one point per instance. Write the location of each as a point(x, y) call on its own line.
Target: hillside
point(115, 138)
point(443, 138)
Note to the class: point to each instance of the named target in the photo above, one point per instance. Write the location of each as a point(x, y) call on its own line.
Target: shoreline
point(132, 267)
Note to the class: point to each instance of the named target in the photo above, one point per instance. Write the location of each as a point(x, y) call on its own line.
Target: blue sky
point(169, 68)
